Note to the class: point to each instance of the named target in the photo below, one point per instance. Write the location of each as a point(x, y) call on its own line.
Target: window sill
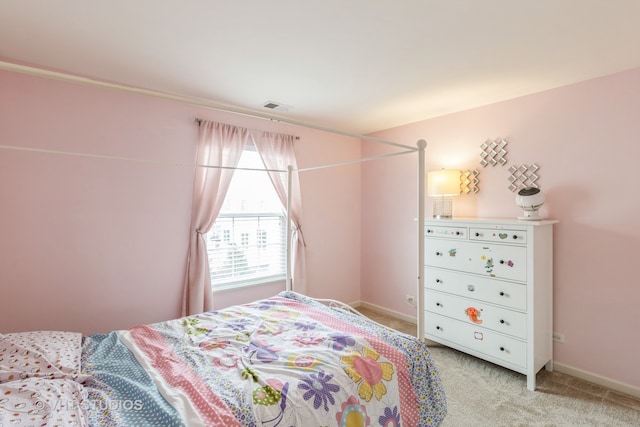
point(263, 281)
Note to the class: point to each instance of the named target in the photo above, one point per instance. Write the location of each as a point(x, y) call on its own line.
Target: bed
point(288, 360)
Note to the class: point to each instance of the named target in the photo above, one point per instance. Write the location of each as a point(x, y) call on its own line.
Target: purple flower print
point(341, 341)
point(319, 388)
point(238, 325)
point(266, 305)
point(264, 351)
point(391, 417)
point(305, 326)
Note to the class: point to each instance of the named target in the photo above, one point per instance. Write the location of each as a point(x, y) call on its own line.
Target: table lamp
point(443, 185)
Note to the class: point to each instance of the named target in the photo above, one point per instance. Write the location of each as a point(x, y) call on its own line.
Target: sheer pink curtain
point(218, 145)
point(277, 152)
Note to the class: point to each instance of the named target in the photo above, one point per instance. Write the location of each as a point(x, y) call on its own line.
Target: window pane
point(248, 240)
point(246, 255)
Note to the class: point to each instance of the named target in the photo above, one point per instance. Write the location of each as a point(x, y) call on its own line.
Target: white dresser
point(489, 290)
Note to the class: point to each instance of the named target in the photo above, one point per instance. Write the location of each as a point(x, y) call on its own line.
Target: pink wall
point(94, 244)
point(584, 137)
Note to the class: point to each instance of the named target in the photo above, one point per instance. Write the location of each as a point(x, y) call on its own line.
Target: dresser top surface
point(489, 221)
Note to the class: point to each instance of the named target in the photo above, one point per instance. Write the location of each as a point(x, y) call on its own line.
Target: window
point(247, 243)
point(262, 239)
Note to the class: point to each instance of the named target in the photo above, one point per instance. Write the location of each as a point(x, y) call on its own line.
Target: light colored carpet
point(482, 394)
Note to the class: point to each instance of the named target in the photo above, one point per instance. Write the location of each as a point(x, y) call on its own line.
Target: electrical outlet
point(410, 300)
point(558, 337)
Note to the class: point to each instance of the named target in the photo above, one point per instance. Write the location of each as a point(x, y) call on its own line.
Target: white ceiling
point(353, 65)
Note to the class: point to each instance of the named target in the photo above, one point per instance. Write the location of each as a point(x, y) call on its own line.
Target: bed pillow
point(36, 401)
point(46, 354)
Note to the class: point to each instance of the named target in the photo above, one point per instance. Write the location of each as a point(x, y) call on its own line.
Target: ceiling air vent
point(276, 106)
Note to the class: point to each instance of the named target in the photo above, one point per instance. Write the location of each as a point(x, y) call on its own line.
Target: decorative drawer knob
point(502, 321)
point(429, 230)
point(438, 281)
point(458, 233)
point(515, 236)
point(438, 304)
point(438, 328)
point(501, 293)
point(477, 234)
point(438, 253)
point(501, 261)
point(502, 348)
point(471, 288)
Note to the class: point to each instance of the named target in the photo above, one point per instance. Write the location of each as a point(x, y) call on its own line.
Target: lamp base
point(442, 207)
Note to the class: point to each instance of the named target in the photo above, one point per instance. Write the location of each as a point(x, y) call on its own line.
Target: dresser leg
point(549, 366)
point(531, 382)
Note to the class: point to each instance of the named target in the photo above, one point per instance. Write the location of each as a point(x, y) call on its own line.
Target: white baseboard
point(382, 310)
point(597, 379)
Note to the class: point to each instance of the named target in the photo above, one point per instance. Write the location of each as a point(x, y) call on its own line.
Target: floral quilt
point(282, 361)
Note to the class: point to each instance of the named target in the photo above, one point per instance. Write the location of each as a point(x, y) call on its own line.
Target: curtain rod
point(198, 120)
point(8, 66)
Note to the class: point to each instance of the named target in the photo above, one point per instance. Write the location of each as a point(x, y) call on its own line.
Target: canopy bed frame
point(243, 365)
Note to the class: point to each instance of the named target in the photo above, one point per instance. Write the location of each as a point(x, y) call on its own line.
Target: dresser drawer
point(445, 232)
point(508, 294)
point(478, 313)
point(488, 259)
point(449, 331)
point(498, 235)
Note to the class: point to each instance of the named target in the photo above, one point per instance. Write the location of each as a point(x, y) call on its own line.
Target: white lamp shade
point(444, 182)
